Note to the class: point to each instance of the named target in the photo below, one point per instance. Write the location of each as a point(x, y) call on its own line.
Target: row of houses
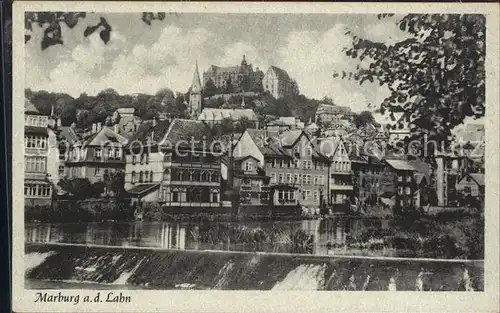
point(178, 164)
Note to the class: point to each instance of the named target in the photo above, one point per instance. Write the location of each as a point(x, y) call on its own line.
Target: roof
point(324, 108)
point(419, 177)
point(268, 146)
point(245, 157)
point(146, 129)
point(142, 188)
point(125, 110)
point(280, 73)
point(289, 137)
point(214, 69)
point(69, 134)
point(196, 84)
point(477, 177)
point(36, 130)
point(401, 165)
point(187, 131)
point(30, 108)
point(210, 114)
point(104, 135)
point(312, 126)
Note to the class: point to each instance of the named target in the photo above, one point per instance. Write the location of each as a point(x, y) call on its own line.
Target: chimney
point(94, 128)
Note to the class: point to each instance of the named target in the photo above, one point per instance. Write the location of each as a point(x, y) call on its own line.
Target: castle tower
point(244, 62)
point(195, 94)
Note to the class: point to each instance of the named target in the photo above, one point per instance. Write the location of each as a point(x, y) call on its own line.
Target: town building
point(96, 156)
point(195, 94)
point(241, 77)
point(368, 177)
point(124, 121)
point(41, 158)
point(331, 116)
point(297, 171)
point(251, 181)
point(216, 116)
point(284, 123)
point(449, 168)
point(340, 179)
point(277, 82)
point(471, 185)
point(178, 166)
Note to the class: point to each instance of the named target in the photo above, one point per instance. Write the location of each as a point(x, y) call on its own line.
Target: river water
point(322, 237)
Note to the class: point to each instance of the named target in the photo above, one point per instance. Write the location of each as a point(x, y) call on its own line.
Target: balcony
point(340, 187)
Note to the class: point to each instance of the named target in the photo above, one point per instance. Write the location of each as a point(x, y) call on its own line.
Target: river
point(319, 237)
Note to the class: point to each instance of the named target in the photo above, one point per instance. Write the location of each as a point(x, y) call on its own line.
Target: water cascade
point(131, 267)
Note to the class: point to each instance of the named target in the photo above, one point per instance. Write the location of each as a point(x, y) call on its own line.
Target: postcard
point(255, 157)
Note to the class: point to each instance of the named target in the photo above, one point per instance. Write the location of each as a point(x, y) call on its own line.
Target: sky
point(142, 58)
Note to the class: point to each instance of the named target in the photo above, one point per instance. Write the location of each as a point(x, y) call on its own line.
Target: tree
point(52, 22)
point(114, 183)
point(81, 188)
point(295, 88)
point(363, 118)
point(436, 77)
point(209, 90)
point(229, 88)
point(327, 100)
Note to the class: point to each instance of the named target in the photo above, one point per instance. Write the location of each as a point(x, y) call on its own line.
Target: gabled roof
point(185, 131)
point(143, 189)
point(29, 108)
point(280, 73)
point(104, 135)
point(146, 129)
point(246, 157)
point(477, 177)
point(290, 137)
point(69, 134)
point(268, 146)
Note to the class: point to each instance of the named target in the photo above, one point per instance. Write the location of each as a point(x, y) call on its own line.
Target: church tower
point(195, 94)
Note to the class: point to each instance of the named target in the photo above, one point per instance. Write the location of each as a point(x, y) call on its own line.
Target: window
point(273, 178)
point(275, 162)
point(316, 195)
point(35, 142)
point(281, 178)
point(61, 170)
point(97, 171)
point(297, 163)
point(204, 176)
point(151, 176)
point(133, 178)
point(296, 178)
point(408, 191)
point(322, 180)
point(468, 178)
point(166, 175)
point(400, 178)
point(146, 174)
point(35, 164)
point(408, 179)
point(306, 179)
point(175, 196)
point(289, 178)
point(214, 196)
point(248, 166)
point(400, 190)
point(282, 163)
point(141, 177)
point(296, 150)
point(118, 154)
point(134, 159)
point(309, 151)
point(316, 180)
point(214, 177)
point(98, 153)
point(306, 194)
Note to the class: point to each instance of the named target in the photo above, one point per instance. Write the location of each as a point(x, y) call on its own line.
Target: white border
point(262, 301)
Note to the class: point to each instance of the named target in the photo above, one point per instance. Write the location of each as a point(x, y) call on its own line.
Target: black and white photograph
point(192, 151)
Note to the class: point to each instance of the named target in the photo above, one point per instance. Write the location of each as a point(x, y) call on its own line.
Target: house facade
point(251, 181)
point(298, 173)
point(368, 177)
point(340, 178)
point(471, 185)
point(41, 157)
point(96, 156)
point(180, 170)
point(277, 82)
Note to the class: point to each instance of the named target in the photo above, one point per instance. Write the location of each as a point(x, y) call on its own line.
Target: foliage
point(54, 20)
point(81, 188)
point(114, 183)
point(436, 77)
point(364, 118)
point(153, 212)
point(209, 89)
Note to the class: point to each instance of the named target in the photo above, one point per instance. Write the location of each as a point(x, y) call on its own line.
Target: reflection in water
point(318, 235)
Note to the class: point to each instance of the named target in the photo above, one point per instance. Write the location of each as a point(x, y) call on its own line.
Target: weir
point(153, 268)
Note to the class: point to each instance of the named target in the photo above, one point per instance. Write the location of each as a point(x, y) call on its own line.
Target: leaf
point(105, 35)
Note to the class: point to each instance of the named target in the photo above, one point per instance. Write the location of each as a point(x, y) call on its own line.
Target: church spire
point(196, 85)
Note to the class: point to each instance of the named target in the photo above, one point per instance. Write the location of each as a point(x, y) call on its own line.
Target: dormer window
point(248, 166)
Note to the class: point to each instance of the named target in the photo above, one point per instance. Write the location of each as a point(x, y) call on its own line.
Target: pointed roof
point(196, 85)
